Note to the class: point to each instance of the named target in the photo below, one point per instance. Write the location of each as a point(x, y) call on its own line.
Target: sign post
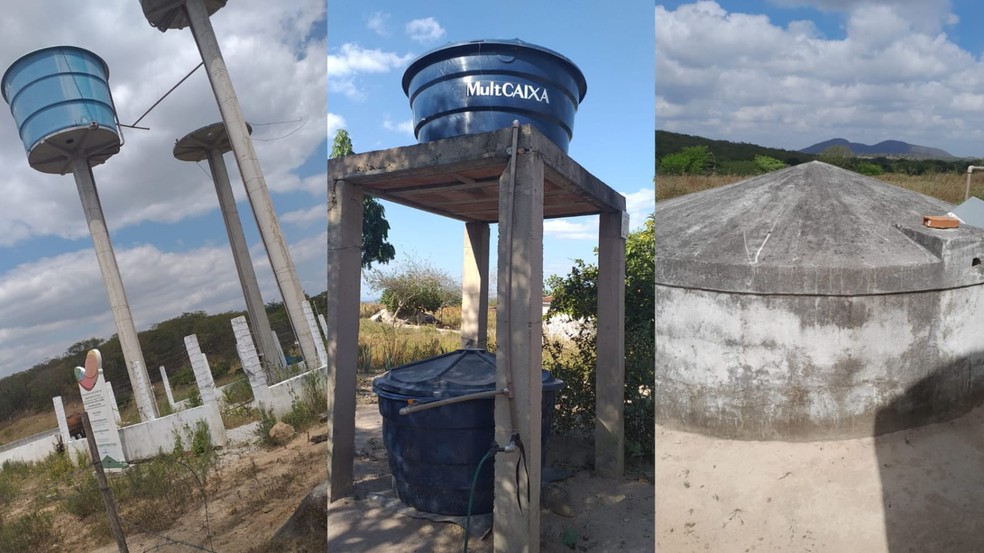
point(97, 403)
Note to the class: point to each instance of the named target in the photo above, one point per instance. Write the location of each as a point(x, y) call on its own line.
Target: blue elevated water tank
point(483, 85)
point(61, 103)
point(433, 454)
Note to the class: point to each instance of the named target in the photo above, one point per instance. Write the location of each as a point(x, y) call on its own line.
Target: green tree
point(416, 286)
point(375, 227)
point(870, 169)
point(691, 160)
point(576, 295)
point(768, 164)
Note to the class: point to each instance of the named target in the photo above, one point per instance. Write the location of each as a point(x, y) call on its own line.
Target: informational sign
point(97, 401)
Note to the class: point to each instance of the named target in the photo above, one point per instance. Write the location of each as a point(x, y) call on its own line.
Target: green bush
point(31, 532)
point(267, 420)
point(691, 160)
point(238, 392)
point(414, 287)
point(767, 164)
point(300, 416)
point(84, 498)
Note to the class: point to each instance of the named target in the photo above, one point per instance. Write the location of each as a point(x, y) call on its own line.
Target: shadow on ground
point(932, 477)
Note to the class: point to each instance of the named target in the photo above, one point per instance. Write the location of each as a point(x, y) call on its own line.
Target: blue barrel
point(433, 454)
point(483, 85)
point(61, 103)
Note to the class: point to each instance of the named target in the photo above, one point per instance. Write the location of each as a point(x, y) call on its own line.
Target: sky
point(370, 45)
point(791, 73)
point(162, 213)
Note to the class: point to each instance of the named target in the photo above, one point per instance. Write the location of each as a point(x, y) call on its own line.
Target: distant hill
point(725, 151)
point(887, 148)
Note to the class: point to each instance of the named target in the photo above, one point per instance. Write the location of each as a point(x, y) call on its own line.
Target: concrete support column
point(319, 344)
point(610, 373)
point(251, 362)
point(62, 420)
point(125, 329)
point(475, 287)
point(206, 388)
point(518, 356)
point(249, 169)
point(344, 279)
point(167, 388)
point(244, 263)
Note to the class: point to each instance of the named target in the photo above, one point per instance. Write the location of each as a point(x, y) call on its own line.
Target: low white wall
point(146, 439)
point(281, 395)
point(37, 447)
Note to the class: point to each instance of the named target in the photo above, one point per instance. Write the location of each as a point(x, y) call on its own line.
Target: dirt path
point(918, 490)
point(610, 515)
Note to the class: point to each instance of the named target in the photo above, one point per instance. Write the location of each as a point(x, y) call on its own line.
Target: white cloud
point(405, 126)
point(585, 228)
point(377, 23)
point(741, 77)
point(640, 204)
point(305, 217)
point(352, 60)
point(425, 30)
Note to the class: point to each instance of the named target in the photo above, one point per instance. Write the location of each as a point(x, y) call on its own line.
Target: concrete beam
point(518, 357)
point(344, 278)
point(610, 373)
point(475, 287)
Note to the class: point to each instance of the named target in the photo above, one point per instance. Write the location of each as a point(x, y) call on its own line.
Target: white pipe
point(970, 169)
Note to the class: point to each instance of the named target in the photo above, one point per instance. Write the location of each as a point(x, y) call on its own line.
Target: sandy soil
point(246, 505)
point(610, 515)
point(919, 490)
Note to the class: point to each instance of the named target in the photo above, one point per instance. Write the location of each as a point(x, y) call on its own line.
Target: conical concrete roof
point(812, 229)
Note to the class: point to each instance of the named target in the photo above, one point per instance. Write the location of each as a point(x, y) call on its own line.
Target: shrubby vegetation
point(415, 286)
point(576, 295)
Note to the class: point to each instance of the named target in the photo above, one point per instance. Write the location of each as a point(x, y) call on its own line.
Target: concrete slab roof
point(459, 177)
point(812, 229)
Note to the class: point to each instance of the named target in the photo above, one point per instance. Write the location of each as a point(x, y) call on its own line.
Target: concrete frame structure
point(478, 179)
point(177, 14)
point(210, 143)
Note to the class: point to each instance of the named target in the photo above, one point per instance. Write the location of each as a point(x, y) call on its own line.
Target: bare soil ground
point(251, 495)
point(609, 515)
point(917, 490)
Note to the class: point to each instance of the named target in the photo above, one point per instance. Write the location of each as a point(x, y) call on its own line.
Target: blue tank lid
point(453, 374)
point(499, 46)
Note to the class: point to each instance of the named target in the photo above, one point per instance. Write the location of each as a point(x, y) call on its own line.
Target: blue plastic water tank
point(433, 454)
point(61, 103)
point(483, 85)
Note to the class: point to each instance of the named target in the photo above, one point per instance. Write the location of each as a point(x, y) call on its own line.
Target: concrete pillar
point(125, 329)
point(250, 361)
point(206, 387)
point(324, 325)
point(475, 287)
point(319, 344)
point(249, 169)
point(518, 355)
point(344, 278)
point(167, 388)
point(62, 421)
point(113, 406)
point(255, 307)
point(280, 350)
point(610, 373)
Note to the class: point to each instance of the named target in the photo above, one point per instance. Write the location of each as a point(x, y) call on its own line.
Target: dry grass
point(948, 187)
